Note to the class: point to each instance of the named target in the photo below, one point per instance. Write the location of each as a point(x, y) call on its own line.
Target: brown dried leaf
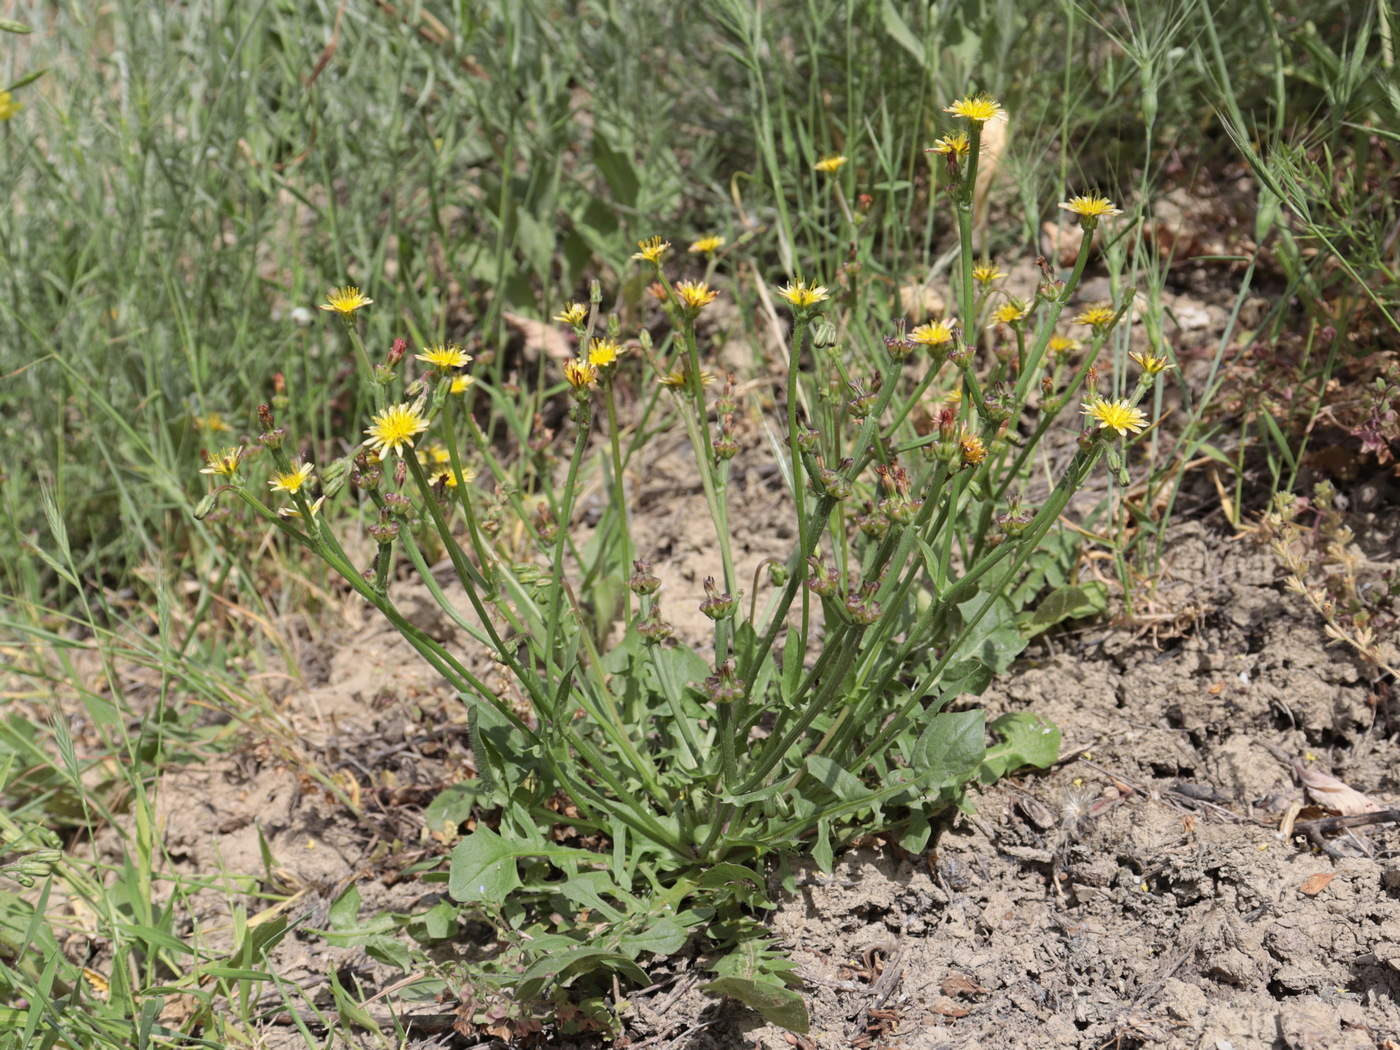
point(945, 1007)
point(956, 984)
point(540, 336)
point(1332, 793)
point(1315, 884)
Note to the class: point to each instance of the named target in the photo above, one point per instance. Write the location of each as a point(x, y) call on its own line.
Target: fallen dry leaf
point(956, 984)
point(945, 1007)
point(540, 336)
point(1315, 884)
point(1332, 793)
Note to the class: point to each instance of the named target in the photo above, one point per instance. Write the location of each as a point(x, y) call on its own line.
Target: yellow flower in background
point(9, 105)
point(460, 384)
point(292, 512)
point(1091, 206)
point(213, 423)
point(977, 108)
point(676, 378)
point(573, 313)
point(224, 462)
point(695, 294)
point(293, 481)
point(1119, 415)
point(986, 273)
point(446, 477)
point(801, 294)
point(1150, 364)
point(934, 333)
point(1013, 311)
point(651, 250)
point(830, 164)
point(580, 374)
point(708, 245)
point(444, 358)
point(1096, 316)
point(395, 428)
point(955, 145)
point(345, 301)
point(1062, 345)
point(603, 352)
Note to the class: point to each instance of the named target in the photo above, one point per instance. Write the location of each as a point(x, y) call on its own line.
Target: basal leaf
point(1027, 740)
point(776, 1004)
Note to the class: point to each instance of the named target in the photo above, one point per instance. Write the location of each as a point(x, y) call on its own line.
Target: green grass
point(184, 177)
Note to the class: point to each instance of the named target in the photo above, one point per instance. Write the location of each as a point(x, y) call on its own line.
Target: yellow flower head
point(802, 295)
point(1091, 206)
point(293, 512)
point(651, 250)
point(213, 423)
point(977, 108)
point(1012, 312)
point(573, 313)
point(394, 428)
point(972, 449)
point(603, 352)
point(293, 481)
point(460, 384)
point(831, 164)
point(580, 374)
point(9, 106)
point(676, 378)
point(1120, 415)
point(1151, 365)
point(1062, 345)
point(956, 145)
point(1096, 316)
point(695, 294)
point(986, 273)
point(708, 245)
point(345, 301)
point(434, 454)
point(444, 358)
point(934, 333)
point(225, 463)
point(449, 479)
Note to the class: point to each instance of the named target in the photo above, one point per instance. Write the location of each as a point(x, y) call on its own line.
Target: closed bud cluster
point(872, 524)
point(862, 401)
point(653, 628)
point(1015, 520)
point(899, 345)
point(272, 439)
point(398, 503)
point(723, 687)
point(367, 475)
point(808, 439)
point(777, 573)
point(385, 531)
point(997, 401)
point(717, 605)
point(862, 607)
point(833, 483)
point(824, 335)
point(642, 582)
point(824, 582)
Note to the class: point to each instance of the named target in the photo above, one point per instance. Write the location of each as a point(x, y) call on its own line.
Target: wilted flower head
point(345, 301)
point(395, 428)
point(1120, 415)
point(977, 108)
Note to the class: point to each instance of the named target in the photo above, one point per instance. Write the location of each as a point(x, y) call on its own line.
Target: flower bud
point(723, 687)
point(642, 582)
point(717, 605)
point(653, 628)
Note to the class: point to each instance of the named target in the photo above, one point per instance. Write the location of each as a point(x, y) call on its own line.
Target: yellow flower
point(1119, 415)
point(446, 477)
point(708, 245)
point(293, 481)
point(213, 423)
point(460, 384)
point(603, 352)
point(676, 378)
point(977, 108)
point(830, 164)
point(1150, 364)
point(225, 463)
point(345, 301)
point(434, 455)
point(573, 313)
point(444, 358)
point(986, 273)
point(395, 428)
point(1091, 206)
point(695, 294)
point(8, 105)
point(1096, 316)
point(955, 145)
point(651, 250)
point(934, 333)
point(801, 294)
point(580, 374)
point(1063, 345)
point(292, 512)
point(973, 450)
point(1013, 311)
